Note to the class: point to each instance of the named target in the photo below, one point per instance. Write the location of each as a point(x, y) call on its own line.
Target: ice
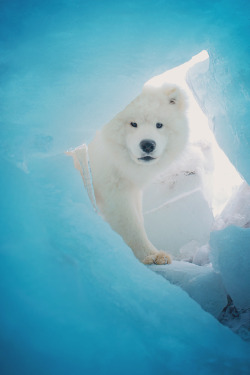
point(231, 257)
point(74, 300)
point(203, 284)
point(237, 210)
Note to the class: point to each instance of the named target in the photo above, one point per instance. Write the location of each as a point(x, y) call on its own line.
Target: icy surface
point(203, 284)
point(231, 257)
point(237, 210)
point(74, 299)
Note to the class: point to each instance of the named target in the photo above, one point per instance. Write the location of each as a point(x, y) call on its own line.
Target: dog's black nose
point(147, 145)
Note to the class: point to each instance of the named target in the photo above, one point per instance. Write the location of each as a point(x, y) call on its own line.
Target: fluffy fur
point(121, 166)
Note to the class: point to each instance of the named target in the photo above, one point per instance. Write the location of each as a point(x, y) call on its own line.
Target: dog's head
point(154, 123)
point(151, 128)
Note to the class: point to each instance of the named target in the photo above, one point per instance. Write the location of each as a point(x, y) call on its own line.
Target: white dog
point(129, 151)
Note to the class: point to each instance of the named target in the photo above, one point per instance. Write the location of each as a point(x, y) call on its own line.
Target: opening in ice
point(187, 201)
point(183, 203)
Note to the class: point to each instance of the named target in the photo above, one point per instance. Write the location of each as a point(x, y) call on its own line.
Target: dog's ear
point(175, 96)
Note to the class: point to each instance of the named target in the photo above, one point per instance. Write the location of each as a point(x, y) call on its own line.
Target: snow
point(73, 297)
point(173, 212)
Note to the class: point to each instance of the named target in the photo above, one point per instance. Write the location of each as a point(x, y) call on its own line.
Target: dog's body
point(132, 149)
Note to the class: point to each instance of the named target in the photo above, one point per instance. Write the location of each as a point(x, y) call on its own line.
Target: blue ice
point(74, 300)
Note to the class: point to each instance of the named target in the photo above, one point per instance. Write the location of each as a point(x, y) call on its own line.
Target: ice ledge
point(202, 284)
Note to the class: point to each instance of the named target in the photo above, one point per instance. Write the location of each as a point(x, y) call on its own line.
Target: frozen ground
point(74, 299)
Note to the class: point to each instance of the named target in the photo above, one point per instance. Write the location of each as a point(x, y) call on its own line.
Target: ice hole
point(184, 204)
point(189, 200)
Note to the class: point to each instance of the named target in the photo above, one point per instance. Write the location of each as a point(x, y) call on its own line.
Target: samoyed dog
point(129, 152)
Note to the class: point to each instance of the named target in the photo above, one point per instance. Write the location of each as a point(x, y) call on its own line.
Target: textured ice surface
point(231, 257)
point(77, 301)
point(237, 211)
point(74, 299)
point(203, 284)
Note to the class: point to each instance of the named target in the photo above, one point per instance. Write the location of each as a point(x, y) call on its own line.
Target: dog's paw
point(158, 258)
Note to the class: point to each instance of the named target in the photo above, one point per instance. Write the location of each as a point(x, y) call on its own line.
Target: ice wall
point(73, 297)
point(75, 300)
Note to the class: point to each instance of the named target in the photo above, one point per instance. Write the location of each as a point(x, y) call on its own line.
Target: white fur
point(118, 175)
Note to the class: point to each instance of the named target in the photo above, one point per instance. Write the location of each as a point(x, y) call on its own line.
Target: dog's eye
point(159, 125)
point(172, 101)
point(134, 124)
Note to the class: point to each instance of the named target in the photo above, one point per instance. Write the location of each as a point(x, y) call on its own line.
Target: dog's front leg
point(124, 214)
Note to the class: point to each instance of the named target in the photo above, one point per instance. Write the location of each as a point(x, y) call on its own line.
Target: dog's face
point(146, 140)
point(151, 129)
point(152, 123)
